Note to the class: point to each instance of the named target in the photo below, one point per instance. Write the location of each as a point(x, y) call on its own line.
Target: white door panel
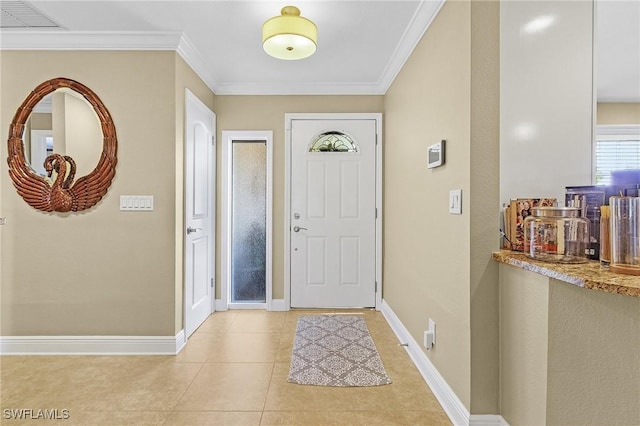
point(200, 266)
point(333, 223)
point(199, 213)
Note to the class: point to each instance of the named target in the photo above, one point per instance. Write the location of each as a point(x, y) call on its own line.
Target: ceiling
point(362, 44)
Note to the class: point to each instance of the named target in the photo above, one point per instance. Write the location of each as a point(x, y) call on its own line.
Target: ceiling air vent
point(18, 14)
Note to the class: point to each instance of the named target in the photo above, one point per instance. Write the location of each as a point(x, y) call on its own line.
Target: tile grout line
point(173, 408)
point(273, 368)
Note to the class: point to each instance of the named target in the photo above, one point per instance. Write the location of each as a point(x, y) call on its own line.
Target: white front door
point(199, 212)
point(333, 213)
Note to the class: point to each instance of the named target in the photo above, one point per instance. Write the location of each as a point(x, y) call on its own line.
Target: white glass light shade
point(289, 36)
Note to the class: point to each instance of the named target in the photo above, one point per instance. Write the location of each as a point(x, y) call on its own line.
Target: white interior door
point(333, 213)
point(40, 142)
point(199, 212)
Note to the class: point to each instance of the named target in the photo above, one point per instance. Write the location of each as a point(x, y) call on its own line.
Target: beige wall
point(41, 121)
point(267, 113)
point(568, 355)
point(618, 113)
point(484, 197)
point(524, 312)
point(594, 357)
point(432, 267)
point(102, 271)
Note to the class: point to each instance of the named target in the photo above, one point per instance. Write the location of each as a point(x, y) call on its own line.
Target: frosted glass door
point(248, 236)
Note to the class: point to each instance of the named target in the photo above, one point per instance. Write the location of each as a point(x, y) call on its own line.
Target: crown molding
point(288, 88)
point(421, 21)
point(109, 40)
point(194, 59)
point(89, 40)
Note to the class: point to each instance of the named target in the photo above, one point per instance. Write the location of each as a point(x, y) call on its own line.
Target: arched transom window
point(333, 141)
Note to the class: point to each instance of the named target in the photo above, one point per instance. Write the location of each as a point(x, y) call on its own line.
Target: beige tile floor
point(233, 371)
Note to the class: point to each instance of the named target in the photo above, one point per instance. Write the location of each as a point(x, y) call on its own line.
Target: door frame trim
point(225, 259)
point(288, 118)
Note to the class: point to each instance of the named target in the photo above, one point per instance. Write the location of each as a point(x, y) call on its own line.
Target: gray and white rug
point(335, 350)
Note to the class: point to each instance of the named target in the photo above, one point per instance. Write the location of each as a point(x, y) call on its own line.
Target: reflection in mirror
point(616, 145)
point(617, 44)
point(65, 123)
point(60, 191)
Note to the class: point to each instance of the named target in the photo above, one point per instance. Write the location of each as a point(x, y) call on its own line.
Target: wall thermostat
point(435, 155)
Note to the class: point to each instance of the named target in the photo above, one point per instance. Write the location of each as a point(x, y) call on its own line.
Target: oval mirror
point(62, 130)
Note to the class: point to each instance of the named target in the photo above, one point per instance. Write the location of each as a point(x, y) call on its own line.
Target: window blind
point(615, 152)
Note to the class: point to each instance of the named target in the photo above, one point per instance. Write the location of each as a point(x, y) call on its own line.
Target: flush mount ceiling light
point(289, 36)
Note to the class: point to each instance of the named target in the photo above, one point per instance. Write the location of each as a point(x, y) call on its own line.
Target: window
point(616, 148)
point(246, 219)
point(333, 141)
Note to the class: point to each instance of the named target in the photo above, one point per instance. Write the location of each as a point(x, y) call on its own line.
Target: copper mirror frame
point(63, 195)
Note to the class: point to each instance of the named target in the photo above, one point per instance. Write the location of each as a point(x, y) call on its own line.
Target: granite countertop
point(587, 275)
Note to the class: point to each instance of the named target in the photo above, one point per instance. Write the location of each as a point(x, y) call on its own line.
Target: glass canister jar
point(556, 234)
point(625, 235)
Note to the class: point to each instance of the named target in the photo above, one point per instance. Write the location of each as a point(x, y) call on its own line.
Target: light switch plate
point(455, 201)
point(140, 203)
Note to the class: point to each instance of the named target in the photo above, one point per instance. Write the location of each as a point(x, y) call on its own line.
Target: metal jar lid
point(555, 211)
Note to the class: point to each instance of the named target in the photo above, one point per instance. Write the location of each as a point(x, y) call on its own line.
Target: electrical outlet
point(428, 340)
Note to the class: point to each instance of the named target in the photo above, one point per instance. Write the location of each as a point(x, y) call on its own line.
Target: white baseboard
point(455, 409)
point(221, 306)
point(487, 420)
point(278, 305)
point(92, 345)
point(181, 341)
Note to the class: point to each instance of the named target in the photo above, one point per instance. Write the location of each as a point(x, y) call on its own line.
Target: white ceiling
point(362, 44)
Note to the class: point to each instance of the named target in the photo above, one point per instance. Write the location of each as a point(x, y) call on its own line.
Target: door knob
point(297, 229)
point(191, 230)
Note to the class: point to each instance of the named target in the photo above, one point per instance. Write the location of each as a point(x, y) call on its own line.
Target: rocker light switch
point(136, 203)
point(455, 201)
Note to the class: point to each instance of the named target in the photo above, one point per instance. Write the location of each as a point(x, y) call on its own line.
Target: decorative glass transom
point(333, 141)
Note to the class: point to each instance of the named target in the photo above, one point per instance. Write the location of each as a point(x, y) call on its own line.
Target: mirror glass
point(617, 46)
point(65, 123)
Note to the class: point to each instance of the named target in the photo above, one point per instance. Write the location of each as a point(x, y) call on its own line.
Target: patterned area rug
point(335, 350)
